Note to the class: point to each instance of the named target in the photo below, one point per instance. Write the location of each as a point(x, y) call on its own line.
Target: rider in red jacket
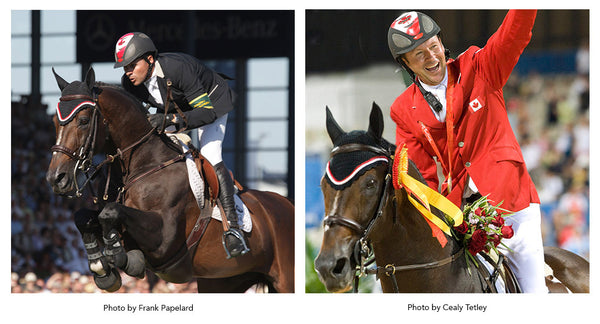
point(454, 123)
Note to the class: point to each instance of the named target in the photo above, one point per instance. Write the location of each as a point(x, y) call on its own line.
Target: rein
point(363, 252)
point(390, 270)
point(179, 111)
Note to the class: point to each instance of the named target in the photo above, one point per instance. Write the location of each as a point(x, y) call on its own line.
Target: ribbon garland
point(426, 197)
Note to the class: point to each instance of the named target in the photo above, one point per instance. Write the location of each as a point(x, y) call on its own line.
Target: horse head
point(352, 186)
point(78, 136)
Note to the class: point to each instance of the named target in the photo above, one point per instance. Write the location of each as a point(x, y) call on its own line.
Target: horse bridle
point(363, 252)
point(83, 155)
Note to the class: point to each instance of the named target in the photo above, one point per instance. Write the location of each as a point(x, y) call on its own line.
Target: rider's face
point(428, 61)
point(137, 70)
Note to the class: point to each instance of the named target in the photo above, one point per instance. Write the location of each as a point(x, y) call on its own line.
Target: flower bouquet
point(483, 228)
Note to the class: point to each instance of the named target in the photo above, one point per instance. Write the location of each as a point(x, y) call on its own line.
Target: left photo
point(152, 151)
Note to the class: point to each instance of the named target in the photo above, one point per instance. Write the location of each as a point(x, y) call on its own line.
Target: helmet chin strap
point(150, 68)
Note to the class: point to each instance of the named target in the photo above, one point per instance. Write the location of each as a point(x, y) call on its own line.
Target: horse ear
point(333, 129)
point(90, 78)
point(376, 122)
point(62, 83)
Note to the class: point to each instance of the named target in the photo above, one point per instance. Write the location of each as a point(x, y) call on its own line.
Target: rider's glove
point(156, 120)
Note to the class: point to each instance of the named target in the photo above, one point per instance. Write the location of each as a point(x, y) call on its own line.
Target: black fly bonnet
point(345, 164)
point(67, 109)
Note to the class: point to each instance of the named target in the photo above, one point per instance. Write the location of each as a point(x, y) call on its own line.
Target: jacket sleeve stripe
point(202, 101)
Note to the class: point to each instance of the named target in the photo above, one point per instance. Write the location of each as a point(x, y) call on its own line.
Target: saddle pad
point(195, 180)
point(244, 219)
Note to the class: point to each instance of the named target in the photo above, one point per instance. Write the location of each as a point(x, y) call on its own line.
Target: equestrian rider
point(201, 93)
point(454, 123)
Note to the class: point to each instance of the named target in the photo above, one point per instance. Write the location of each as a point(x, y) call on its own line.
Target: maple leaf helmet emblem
point(132, 46)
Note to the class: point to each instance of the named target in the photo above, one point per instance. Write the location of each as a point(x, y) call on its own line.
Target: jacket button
point(468, 164)
point(461, 144)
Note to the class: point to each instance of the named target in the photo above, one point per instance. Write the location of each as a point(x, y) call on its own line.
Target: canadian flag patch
point(475, 105)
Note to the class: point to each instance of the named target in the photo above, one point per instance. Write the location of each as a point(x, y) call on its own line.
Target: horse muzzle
point(336, 269)
point(59, 181)
point(63, 183)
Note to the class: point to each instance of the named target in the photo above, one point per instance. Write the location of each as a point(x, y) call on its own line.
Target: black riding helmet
point(410, 30)
point(407, 32)
point(131, 47)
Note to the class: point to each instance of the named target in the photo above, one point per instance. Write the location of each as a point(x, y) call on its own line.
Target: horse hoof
point(110, 282)
point(136, 266)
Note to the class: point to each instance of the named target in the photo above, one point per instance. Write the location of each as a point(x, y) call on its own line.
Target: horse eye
point(371, 183)
point(83, 120)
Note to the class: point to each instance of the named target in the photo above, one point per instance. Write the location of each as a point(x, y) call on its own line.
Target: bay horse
point(150, 224)
point(364, 213)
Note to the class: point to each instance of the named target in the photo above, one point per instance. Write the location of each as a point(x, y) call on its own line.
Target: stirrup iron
point(236, 233)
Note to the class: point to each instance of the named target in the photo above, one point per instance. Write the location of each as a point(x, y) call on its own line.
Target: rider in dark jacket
point(201, 93)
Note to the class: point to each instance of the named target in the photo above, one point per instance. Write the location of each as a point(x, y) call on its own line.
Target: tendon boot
point(233, 239)
point(86, 221)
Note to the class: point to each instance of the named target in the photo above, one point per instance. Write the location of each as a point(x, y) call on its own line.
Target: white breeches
point(527, 257)
point(210, 138)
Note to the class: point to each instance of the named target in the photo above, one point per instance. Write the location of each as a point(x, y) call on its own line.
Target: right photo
point(447, 151)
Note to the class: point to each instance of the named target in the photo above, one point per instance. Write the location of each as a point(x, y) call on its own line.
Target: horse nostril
point(59, 177)
point(56, 180)
point(339, 266)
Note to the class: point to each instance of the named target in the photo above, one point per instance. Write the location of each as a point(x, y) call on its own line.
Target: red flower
point(507, 232)
point(479, 212)
point(462, 228)
point(477, 243)
point(495, 239)
point(498, 221)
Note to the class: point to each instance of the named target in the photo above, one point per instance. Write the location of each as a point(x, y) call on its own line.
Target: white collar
point(156, 72)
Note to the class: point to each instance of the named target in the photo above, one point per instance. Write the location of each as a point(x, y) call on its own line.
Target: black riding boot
point(233, 239)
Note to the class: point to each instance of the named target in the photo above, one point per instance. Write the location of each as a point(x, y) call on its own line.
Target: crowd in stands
point(550, 116)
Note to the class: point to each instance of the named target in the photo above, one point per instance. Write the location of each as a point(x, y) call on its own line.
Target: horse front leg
point(162, 243)
point(88, 225)
point(86, 221)
point(131, 262)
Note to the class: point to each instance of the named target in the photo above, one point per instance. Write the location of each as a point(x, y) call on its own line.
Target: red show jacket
point(485, 147)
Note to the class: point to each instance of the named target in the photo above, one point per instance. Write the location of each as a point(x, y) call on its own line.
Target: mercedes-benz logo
point(99, 32)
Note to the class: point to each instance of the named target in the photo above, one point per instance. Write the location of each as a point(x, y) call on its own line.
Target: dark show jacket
point(201, 93)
